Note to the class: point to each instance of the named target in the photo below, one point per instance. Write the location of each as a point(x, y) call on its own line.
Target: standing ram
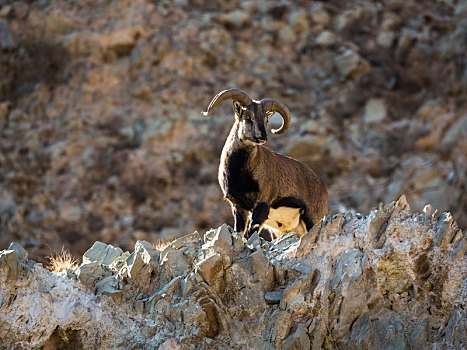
point(265, 188)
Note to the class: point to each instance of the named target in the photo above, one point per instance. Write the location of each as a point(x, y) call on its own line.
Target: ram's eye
point(247, 117)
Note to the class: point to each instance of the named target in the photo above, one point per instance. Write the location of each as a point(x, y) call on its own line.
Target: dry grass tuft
point(62, 261)
point(162, 245)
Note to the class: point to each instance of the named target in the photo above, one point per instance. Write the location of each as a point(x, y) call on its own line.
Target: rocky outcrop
point(393, 279)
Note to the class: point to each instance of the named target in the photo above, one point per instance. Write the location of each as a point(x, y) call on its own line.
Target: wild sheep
point(265, 188)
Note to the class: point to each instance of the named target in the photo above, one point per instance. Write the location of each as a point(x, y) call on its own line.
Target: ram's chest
point(237, 182)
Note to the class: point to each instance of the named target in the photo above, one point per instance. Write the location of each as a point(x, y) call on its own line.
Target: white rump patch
point(285, 219)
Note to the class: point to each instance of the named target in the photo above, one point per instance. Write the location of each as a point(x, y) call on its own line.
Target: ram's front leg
point(240, 216)
point(259, 216)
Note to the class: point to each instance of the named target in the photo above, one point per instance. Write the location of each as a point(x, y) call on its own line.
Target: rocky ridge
point(394, 279)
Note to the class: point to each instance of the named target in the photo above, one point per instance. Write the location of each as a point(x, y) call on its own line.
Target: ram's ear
point(269, 114)
point(237, 107)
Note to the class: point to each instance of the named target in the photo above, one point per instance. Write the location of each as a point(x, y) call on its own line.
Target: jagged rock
point(406, 39)
point(102, 253)
point(455, 132)
point(54, 23)
point(455, 329)
point(95, 269)
point(326, 38)
point(280, 323)
point(350, 64)
point(89, 274)
point(70, 213)
point(293, 297)
point(346, 18)
point(238, 244)
point(254, 242)
point(3, 114)
point(122, 41)
point(297, 340)
point(108, 285)
point(219, 241)
point(9, 265)
point(387, 33)
point(174, 262)
point(170, 344)
point(339, 285)
point(212, 271)
point(145, 254)
point(319, 14)
point(273, 297)
point(308, 240)
point(236, 18)
point(6, 38)
point(20, 252)
point(375, 111)
point(187, 241)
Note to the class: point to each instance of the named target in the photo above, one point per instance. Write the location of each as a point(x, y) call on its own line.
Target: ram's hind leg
point(259, 216)
point(306, 220)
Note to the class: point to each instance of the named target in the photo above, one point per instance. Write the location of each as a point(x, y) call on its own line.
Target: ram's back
point(287, 182)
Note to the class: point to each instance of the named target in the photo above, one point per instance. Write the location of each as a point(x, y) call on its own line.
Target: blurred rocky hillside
point(101, 136)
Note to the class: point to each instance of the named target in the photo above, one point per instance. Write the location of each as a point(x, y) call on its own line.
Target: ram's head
point(252, 116)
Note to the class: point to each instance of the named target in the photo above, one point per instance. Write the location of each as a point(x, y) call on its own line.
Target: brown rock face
point(101, 136)
point(393, 279)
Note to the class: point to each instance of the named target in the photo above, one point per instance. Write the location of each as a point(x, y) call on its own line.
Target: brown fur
point(282, 176)
point(258, 181)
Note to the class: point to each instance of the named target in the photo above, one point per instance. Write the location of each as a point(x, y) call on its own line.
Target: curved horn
point(272, 105)
point(230, 94)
